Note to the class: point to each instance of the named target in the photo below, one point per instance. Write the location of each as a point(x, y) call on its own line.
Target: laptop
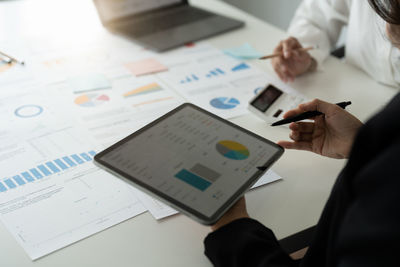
point(162, 24)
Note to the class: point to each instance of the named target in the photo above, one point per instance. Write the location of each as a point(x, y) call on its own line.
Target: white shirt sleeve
point(319, 22)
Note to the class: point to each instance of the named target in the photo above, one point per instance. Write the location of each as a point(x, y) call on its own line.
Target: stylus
point(307, 115)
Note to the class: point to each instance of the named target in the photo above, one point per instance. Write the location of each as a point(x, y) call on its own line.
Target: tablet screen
point(192, 158)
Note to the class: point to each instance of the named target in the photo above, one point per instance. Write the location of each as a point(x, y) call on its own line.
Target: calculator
point(271, 103)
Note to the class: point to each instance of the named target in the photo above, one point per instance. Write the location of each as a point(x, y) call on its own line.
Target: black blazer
point(360, 224)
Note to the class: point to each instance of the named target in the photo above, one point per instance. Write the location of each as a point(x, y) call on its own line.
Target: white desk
point(286, 207)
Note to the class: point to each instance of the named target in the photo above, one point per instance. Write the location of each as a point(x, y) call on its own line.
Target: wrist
point(228, 219)
point(348, 145)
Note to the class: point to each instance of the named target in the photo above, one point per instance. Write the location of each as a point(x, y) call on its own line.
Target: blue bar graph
point(193, 179)
point(47, 169)
point(36, 173)
point(191, 78)
point(19, 180)
point(61, 164)
point(27, 177)
point(2, 187)
point(77, 159)
point(215, 73)
point(69, 161)
point(52, 167)
point(10, 183)
point(242, 66)
point(86, 157)
point(220, 71)
point(44, 170)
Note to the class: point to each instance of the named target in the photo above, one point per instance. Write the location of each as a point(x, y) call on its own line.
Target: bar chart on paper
point(240, 67)
point(212, 73)
point(144, 90)
point(195, 77)
point(48, 168)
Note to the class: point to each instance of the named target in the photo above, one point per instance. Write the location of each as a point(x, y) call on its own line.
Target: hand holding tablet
point(192, 160)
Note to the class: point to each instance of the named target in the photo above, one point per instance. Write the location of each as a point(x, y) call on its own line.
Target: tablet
point(192, 160)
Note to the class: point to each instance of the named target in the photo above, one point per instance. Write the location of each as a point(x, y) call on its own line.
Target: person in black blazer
point(360, 224)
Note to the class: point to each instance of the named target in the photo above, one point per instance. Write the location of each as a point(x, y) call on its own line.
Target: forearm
point(245, 242)
point(319, 22)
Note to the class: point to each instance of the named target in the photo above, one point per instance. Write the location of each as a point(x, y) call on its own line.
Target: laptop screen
point(115, 9)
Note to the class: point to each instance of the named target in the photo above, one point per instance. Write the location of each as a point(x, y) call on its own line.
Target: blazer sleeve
point(245, 242)
point(319, 22)
point(370, 232)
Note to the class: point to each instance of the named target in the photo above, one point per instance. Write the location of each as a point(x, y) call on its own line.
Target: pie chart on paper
point(91, 100)
point(232, 150)
point(224, 103)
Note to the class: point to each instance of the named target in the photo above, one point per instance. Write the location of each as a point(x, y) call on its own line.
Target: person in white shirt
point(319, 23)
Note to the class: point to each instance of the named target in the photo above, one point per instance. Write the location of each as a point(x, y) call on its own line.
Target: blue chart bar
point(193, 179)
point(2, 187)
point(44, 170)
point(28, 177)
point(52, 167)
point(36, 173)
point(19, 180)
point(69, 161)
point(190, 78)
point(10, 183)
point(220, 71)
point(242, 66)
point(61, 164)
point(77, 159)
point(86, 157)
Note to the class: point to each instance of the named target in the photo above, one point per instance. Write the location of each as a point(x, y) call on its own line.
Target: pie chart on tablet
point(232, 150)
point(224, 103)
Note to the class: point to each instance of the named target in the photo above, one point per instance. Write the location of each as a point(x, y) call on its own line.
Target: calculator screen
point(266, 98)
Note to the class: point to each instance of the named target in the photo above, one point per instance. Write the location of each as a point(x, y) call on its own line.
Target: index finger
point(293, 112)
point(289, 45)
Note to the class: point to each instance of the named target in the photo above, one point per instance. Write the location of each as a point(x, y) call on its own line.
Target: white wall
point(277, 12)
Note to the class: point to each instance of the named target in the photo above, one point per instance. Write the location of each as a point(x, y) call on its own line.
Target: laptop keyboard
point(167, 21)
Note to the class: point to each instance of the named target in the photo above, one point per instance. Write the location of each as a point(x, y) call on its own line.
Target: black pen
point(307, 115)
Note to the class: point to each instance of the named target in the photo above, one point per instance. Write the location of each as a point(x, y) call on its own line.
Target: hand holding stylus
point(330, 135)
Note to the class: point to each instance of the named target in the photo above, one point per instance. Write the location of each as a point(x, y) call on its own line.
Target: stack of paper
point(66, 105)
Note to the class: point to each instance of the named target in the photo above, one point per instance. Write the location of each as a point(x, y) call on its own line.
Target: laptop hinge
point(128, 19)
